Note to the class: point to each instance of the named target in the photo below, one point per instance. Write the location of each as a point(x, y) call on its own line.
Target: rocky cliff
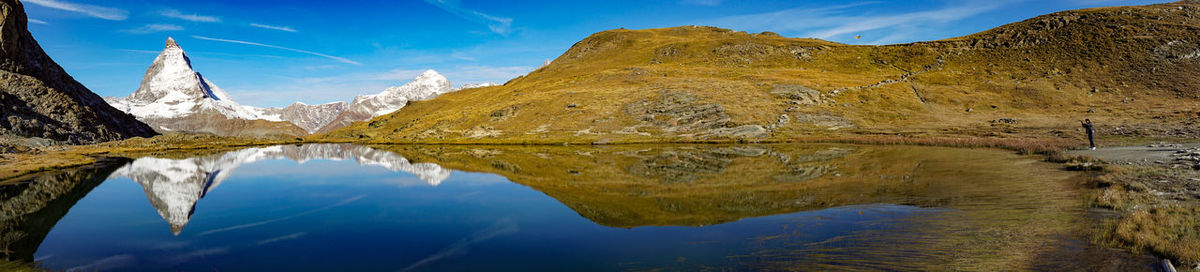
point(39, 98)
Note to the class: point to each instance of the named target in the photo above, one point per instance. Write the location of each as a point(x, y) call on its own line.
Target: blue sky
point(274, 52)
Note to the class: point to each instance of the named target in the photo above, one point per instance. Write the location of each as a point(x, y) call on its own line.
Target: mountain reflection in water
point(686, 207)
point(173, 186)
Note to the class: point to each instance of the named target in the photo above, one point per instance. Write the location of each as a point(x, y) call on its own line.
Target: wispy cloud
point(108, 263)
point(152, 28)
point(280, 28)
point(281, 238)
point(106, 13)
point(498, 25)
point(461, 56)
point(501, 227)
point(711, 3)
point(36, 21)
point(843, 21)
point(339, 59)
point(268, 221)
point(174, 13)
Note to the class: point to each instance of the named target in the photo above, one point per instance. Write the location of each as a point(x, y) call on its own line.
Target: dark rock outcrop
point(39, 99)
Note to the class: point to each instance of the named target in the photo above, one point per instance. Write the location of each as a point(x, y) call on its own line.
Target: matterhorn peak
point(171, 43)
point(171, 89)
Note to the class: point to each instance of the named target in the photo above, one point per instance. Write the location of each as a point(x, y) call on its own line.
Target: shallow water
point(325, 207)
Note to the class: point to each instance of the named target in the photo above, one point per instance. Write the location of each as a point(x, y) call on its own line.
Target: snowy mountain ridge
point(173, 95)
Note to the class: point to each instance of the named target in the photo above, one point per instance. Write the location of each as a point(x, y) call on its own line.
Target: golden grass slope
point(1125, 67)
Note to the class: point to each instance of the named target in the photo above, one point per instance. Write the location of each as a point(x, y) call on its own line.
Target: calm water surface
point(329, 207)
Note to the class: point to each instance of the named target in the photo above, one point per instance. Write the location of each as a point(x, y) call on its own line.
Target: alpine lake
point(344, 207)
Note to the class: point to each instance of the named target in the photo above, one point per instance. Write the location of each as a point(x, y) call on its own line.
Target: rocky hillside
point(39, 98)
point(309, 117)
point(1131, 69)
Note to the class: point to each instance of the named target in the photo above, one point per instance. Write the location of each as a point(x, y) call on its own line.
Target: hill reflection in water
point(681, 207)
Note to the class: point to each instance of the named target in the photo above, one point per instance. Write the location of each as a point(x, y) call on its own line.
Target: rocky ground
point(1187, 158)
point(1155, 190)
point(1170, 155)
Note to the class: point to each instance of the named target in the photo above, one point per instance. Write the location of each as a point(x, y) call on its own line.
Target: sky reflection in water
point(346, 207)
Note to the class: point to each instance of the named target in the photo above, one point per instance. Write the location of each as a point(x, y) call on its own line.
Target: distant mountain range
point(39, 99)
point(175, 98)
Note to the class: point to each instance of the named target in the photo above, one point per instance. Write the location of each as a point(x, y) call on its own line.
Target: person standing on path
point(1087, 125)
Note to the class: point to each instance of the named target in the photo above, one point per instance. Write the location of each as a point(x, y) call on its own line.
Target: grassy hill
point(1131, 69)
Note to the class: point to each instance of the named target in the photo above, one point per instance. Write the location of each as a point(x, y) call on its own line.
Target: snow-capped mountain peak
point(425, 86)
point(174, 97)
point(171, 89)
point(171, 43)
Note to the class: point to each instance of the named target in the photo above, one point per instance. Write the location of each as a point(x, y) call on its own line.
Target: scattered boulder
point(800, 94)
point(677, 111)
point(746, 131)
point(1003, 122)
point(504, 114)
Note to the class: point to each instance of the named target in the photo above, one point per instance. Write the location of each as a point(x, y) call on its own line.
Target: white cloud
point(339, 59)
point(106, 13)
point(498, 25)
point(152, 28)
point(174, 13)
point(271, 27)
point(36, 21)
point(710, 3)
point(843, 21)
point(461, 56)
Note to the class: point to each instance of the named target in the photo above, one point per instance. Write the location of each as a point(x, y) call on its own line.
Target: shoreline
point(40, 159)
